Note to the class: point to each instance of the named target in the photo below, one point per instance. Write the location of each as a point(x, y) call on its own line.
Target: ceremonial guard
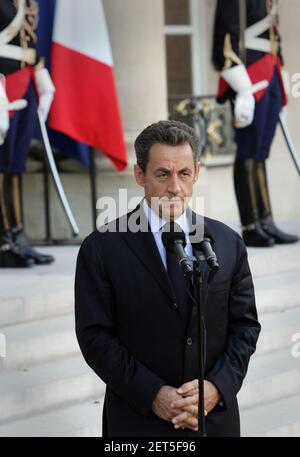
point(247, 53)
point(25, 87)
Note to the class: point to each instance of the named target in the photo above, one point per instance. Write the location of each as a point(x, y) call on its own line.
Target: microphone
point(174, 240)
point(209, 254)
point(205, 247)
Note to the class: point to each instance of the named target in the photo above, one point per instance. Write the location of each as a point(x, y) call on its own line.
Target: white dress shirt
point(156, 224)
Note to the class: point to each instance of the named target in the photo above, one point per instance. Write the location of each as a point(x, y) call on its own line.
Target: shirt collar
point(156, 222)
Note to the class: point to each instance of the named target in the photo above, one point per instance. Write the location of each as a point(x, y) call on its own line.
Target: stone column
point(136, 29)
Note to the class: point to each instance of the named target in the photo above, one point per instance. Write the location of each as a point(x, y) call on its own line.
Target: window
point(177, 12)
point(187, 61)
point(185, 34)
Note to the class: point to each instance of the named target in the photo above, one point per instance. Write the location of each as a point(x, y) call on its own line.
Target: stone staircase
point(270, 397)
point(46, 389)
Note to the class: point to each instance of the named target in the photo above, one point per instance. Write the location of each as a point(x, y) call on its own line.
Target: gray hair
point(172, 133)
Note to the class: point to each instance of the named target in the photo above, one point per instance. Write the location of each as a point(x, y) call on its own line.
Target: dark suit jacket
point(133, 335)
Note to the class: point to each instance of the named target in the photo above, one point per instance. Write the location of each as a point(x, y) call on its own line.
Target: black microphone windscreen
point(172, 232)
point(207, 232)
point(206, 235)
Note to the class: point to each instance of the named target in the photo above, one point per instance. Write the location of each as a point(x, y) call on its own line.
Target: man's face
point(170, 176)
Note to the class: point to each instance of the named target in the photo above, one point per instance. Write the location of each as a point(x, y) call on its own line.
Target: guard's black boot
point(244, 183)
point(256, 237)
point(27, 250)
point(279, 236)
point(264, 207)
point(18, 235)
point(10, 254)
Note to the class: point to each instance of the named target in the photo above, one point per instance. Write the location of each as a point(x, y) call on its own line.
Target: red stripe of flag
point(85, 104)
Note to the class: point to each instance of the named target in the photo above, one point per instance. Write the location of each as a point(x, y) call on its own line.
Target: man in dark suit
point(135, 323)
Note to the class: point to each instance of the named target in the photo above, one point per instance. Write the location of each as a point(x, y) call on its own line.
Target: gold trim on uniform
point(3, 208)
point(263, 188)
point(28, 31)
point(16, 200)
point(40, 64)
point(230, 56)
point(274, 35)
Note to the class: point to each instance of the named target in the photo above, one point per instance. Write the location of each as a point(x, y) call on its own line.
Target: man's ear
point(139, 176)
point(197, 171)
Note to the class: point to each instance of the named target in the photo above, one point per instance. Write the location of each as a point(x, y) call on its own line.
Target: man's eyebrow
point(165, 170)
point(185, 169)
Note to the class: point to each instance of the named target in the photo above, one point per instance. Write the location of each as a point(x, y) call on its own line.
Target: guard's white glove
point(45, 89)
point(283, 113)
point(244, 108)
point(238, 79)
point(5, 107)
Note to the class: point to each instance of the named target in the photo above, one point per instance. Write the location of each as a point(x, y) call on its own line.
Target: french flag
point(85, 105)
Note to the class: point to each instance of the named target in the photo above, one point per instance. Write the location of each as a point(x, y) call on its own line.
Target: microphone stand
point(197, 292)
point(194, 278)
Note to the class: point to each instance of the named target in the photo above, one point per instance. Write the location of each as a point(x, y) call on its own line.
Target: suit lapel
point(143, 245)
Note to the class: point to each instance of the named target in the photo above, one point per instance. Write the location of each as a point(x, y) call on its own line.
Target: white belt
point(259, 44)
point(14, 27)
point(252, 40)
point(10, 51)
point(257, 29)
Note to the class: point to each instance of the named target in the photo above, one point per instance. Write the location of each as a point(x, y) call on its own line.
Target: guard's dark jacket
point(227, 20)
point(133, 335)
point(7, 13)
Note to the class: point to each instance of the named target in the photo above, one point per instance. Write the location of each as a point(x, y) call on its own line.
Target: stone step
point(47, 291)
point(277, 331)
point(278, 419)
point(270, 378)
point(30, 302)
point(275, 260)
point(39, 292)
point(37, 342)
point(277, 292)
point(83, 420)
point(45, 387)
